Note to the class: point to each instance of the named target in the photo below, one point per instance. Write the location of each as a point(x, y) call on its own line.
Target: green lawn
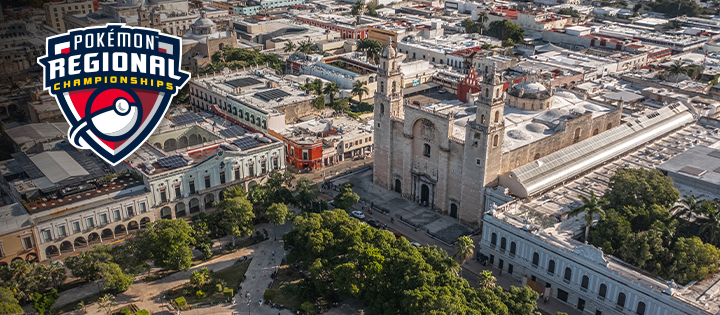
point(232, 277)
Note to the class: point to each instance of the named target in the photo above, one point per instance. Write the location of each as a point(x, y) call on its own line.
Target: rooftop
point(13, 218)
point(37, 132)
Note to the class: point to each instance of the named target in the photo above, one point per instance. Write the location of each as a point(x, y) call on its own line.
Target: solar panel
point(243, 82)
point(232, 131)
point(693, 170)
point(206, 114)
point(172, 161)
point(272, 94)
point(189, 118)
point(715, 153)
point(246, 143)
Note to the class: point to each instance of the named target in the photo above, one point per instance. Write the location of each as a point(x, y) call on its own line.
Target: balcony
point(566, 281)
point(619, 308)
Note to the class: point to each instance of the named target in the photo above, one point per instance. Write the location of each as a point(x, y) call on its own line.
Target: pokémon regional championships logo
point(113, 84)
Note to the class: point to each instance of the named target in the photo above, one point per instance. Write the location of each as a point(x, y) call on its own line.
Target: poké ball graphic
point(115, 114)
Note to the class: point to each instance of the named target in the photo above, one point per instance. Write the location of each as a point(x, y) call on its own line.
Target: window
point(263, 167)
point(568, 274)
point(222, 177)
point(130, 211)
point(76, 226)
point(62, 231)
point(192, 186)
point(536, 259)
point(595, 132)
point(503, 243)
point(178, 195)
point(551, 266)
point(513, 248)
point(27, 242)
point(493, 239)
point(382, 108)
point(47, 236)
point(91, 222)
point(142, 208)
point(495, 141)
point(603, 291)
point(237, 173)
point(585, 282)
point(116, 214)
point(621, 299)
point(305, 155)
point(482, 119)
point(608, 126)
point(497, 116)
point(163, 196)
point(640, 308)
point(103, 219)
point(207, 182)
point(426, 150)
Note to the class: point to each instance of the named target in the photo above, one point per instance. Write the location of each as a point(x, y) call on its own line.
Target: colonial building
point(445, 155)
point(17, 241)
point(202, 41)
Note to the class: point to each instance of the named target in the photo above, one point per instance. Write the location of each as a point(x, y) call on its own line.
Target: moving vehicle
point(358, 214)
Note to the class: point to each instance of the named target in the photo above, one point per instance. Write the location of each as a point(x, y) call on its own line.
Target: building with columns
point(187, 166)
point(445, 155)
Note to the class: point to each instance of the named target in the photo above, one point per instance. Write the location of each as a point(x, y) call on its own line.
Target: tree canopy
point(674, 8)
point(346, 198)
point(639, 229)
point(388, 274)
point(168, 241)
point(507, 31)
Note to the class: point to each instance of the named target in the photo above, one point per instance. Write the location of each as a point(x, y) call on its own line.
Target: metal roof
point(551, 170)
point(58, 166)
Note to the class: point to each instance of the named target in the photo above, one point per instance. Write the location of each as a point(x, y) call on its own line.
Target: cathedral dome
point(531, 86)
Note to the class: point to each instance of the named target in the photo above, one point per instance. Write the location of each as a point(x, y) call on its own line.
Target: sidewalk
point(149, 296)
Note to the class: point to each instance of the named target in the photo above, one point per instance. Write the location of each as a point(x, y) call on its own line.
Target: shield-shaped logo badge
point(113, 84)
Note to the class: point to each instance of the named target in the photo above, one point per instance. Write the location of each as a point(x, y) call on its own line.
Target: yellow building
point(17, 240)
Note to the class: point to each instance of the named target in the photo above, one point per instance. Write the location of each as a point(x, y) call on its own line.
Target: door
point(510, 268)
point(424, 194)
point(562, 295)
point(453, 210)
point(581, 304)
point(398, 186)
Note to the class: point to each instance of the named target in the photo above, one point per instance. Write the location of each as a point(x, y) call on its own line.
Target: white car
point(442, 91)
point(416, 244)
point(358, 214)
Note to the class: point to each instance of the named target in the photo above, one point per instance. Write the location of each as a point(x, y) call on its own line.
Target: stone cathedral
point(449, 155)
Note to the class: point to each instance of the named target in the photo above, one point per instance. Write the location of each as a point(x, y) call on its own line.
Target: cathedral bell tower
point(388, 107)
point(483, 146)
point(143, 20)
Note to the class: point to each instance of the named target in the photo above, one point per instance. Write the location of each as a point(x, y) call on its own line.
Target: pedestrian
point(273, 253)
point(392, 220)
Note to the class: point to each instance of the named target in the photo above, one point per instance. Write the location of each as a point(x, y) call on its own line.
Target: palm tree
point(688, 205)
point(591, 207)
point(56, 274)
point(373, 50)
point(482, 17)
point(330, 89)
point(678, 68)
point(486, 280)
point(106, 303)
point(359, 89)
point(82, 307)
point(306, 47)
point(463, 249)
point(710, 222)
point(290, 46)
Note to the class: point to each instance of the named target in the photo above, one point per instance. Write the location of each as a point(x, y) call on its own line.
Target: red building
point(345, 30)
point(304, 154)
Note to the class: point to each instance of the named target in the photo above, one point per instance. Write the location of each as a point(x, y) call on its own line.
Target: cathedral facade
point(449, 156)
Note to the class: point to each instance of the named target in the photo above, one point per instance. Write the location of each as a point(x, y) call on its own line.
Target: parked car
point(358, 214)
point(376, 224)
point(442, 91)
point(416, 103)
point(416, 244)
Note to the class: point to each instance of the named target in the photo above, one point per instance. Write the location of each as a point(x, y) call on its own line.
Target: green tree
point(693, 260)
point(306, 47)
point(168, 243)
point(372, 48)
point(506, 30)
point(356, 8)
point(200, 278)
point(688, 205)
point(471, 26)
point(463, 249)
point(570, 12)
point(114, 278)
point(279, 184)
point(360, 89)
point(346, 198)
point(486, 279)
point(591, 207)
point(8, 303)
point(237, 212)
point(319, 102)
point(674, 8)
point(86, 265)
point(81, 306)
point(106, 303)
point(278, 213)
point(677, 68)
point(611, 232)
point(640, 187)
point(331, 88)
point(709, 221)
point(44, 302)
point(289, 46)
point(306, 193)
